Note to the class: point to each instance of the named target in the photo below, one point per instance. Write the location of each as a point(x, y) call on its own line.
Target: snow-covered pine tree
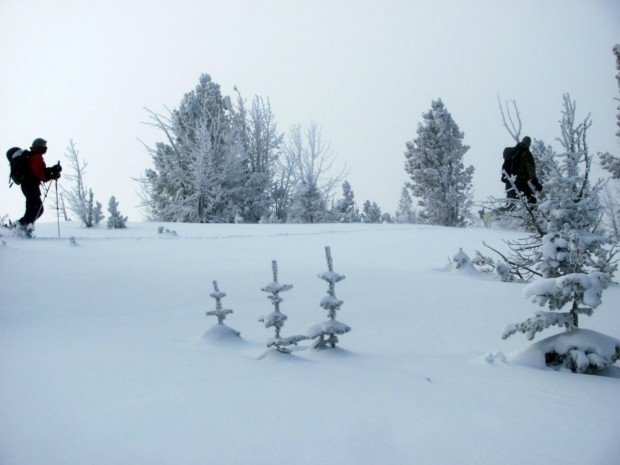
point(371, 213)
point(572, 209)
point(115, 219)
point(405, 212)
point(345, 210)
point(257, 134)
point(220, 330)
point(199, 172)
point(80, 199)
point(581, 351)
point(276, 318)
point(434, 160)
point(326, 333)
point(609, 162)
point(308, 205)
point(95, 208)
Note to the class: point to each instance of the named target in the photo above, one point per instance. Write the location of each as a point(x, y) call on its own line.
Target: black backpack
point(18, 160)
point(511, 162)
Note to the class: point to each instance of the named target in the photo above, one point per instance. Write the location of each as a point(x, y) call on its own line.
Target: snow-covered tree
point(308, 205)
point(610, 200)
point(276, 318)
point(220, 330)
point(199, 173)
point(80, 199)
point(309, 161)
point(345, 210)
point(371, 213)
point(434, 160)
point(387, 218)
point(405, 212)
point(257, 134)
point(582, 293)
point(609, 162)
point(571, 208)
point(326, 333)
point(115, 219)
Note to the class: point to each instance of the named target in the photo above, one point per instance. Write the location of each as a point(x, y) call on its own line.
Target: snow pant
point(34, 206)
point(525, 190)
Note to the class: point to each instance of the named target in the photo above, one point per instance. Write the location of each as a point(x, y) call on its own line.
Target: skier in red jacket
point(37, 174)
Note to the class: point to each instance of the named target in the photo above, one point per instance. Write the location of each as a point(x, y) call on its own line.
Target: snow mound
point(580, 350)
point(221, 333)
point(279, 356)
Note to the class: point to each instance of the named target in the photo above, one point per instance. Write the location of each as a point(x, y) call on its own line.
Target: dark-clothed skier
point(519, 162)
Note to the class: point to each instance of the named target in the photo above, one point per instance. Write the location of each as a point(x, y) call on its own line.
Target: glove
point(57, 167)
point(54, 172)
point(537, 185)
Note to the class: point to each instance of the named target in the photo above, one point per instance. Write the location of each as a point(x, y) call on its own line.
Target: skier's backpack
point(511, 164)
point(18, 160)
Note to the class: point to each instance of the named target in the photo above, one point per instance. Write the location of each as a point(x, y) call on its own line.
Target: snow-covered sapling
point(326, 333)
point(220, 313)
point(276, 318)
point(583, 292)
point(115, 220)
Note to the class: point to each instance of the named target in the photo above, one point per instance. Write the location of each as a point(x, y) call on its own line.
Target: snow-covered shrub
point(276, 318)
point(503, 271)
point(463, 264)
point(115, 219)
point(583, 293)
point(169, 232)
point(326, 333)
point(220, 329)
point(580, 350)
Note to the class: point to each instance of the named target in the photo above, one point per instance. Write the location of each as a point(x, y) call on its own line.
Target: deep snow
point(103, 359)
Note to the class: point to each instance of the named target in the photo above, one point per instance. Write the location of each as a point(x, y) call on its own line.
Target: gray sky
point(364, 70)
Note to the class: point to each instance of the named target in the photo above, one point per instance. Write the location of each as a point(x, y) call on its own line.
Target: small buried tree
point(115, 219)
point(220, 330)
point(582, 351)
point(276, 318)
point(326, 333)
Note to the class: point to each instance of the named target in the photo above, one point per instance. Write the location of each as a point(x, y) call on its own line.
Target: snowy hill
point(103, 359)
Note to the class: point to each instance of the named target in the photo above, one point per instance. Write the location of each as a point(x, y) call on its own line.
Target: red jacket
point(37, 167)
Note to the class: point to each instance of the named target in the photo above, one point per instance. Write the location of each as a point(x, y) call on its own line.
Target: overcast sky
point(364, 70)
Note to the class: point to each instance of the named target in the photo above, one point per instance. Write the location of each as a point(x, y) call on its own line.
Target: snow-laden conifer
point(115, 219)
point(371, 213)
point(345, 210)
point(580, 294)
point(608, 161)
point(326, 333)
point(198, 174)
point(220, 330)
point(276, 318)
point(435, 163)
point(405, 212)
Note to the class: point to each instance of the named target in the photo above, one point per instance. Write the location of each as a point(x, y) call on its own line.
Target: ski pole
point(57, 208)
point(43, 201)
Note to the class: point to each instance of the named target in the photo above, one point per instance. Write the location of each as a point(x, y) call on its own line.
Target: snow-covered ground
point(103, 361)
